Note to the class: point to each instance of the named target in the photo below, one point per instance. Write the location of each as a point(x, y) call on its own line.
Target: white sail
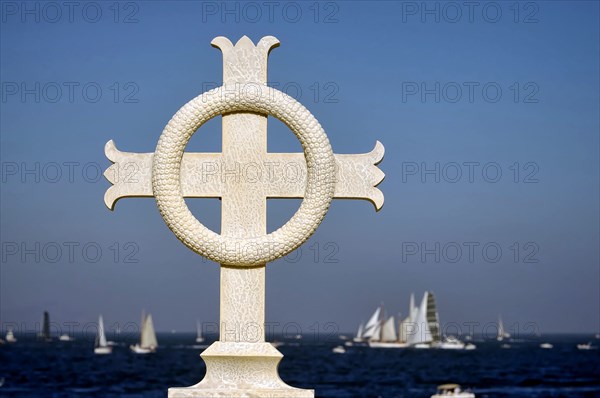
point(148, 339)
point(408, 328)
point(412, 310)
point(101, 346)
point(418, 336)
point(376, 336)
point(374, 320)
point(373, 324)
point(422, 333)
point(101, 335)
point(388, 330)
point(502, 333)
point(433, 318)
point(361, 330)
point(404, 328)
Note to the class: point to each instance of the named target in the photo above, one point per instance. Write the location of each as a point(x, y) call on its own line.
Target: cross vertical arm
point(243, 211)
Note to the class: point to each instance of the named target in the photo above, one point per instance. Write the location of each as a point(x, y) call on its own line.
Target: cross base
point(241, 370)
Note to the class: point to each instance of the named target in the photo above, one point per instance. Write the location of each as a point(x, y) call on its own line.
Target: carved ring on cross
point(257, 250)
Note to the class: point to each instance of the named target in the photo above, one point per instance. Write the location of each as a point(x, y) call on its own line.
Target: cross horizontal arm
point(357, 176)
point(131, 175)
point(283, 175)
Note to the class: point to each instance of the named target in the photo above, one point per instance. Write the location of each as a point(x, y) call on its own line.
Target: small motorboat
point(452, 390)
point(451, 343)
point(470, 346)
point(546, 346)
point(65, 337)
point(505, 346)
point(587, 346)
point(422, 346)
point(339, 350)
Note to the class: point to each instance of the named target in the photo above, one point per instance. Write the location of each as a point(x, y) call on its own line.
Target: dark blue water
point(70, 369)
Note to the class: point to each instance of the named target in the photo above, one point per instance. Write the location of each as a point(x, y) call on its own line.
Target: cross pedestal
point(241, 363)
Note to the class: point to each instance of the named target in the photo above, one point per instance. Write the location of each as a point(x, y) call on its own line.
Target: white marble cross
point(243, 176)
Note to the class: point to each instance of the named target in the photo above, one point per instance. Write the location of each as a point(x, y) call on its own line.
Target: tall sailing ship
point(419, 329)
point(383, 332)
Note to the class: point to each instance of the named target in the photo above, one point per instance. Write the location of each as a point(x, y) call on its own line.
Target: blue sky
point(514, 92)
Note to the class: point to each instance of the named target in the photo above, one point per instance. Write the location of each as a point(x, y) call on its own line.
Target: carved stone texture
point(249, 249)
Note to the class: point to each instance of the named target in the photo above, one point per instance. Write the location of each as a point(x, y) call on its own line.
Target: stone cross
point(243, 176)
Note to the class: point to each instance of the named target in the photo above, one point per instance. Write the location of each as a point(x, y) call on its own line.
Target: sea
point(31, 368)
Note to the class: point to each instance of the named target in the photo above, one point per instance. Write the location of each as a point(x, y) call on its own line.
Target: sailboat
point(452, 390)
point(199, 338)
point(10, 336)
point(45, 333)
point(65, 337)
point(428, 328)
point(359, 334)
point(453, 343)
point(585, 346)
point(502, 333)
point(433, 324)
point(101, 346)
point(426, 323)
point(148, 343)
